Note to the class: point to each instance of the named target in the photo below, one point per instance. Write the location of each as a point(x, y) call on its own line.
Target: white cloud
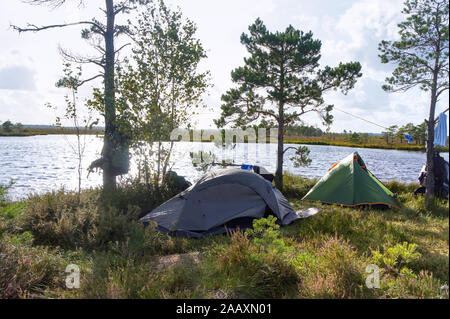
point(17, 78)
point(350, 30)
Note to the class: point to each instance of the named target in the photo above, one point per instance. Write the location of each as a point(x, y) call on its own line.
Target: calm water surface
point(38, 164)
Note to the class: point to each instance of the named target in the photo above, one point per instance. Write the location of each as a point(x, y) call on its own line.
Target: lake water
point(38, 164)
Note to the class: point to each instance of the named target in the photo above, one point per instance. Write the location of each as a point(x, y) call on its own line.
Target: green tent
point(350, 183)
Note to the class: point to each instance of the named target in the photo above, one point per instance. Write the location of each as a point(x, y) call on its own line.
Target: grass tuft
point(323, 256)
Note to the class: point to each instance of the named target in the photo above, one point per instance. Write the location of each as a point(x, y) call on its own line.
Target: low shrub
point(27, 271)
point(62, 218)
point(115, 276)
point(324, 256)
point(407, 286)
point(295, 186)
point(397, 188)
point(146, 196)
point(3, 190)
point(397, 258)
point(331, 268)
point(255, 264)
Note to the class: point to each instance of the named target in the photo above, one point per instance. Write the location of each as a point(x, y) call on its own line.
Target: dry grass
point(324, 256)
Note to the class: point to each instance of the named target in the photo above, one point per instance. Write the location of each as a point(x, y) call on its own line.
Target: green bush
point(62, 218)
point(331, 268)
point(324, 256)
point(397, 258)
point(255, 267)
point(398, 188)
point(295, 186)
point(3, 191)
point(26, 270)
point(266, 236)
point(146, 196)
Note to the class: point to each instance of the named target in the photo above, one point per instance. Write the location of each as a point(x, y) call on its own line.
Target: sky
point(30, 63)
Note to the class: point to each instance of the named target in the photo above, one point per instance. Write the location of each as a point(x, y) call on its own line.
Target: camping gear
point(350, 183)
point(221, 200)
point(121, 161)
point(409, 138)
point(440, 132)
point(308, 212)
point(441, 177)
point(247, 167)
point(259, 170)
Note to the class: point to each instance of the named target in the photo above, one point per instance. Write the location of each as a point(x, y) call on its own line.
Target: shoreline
point(415, 148)
point(406, 147)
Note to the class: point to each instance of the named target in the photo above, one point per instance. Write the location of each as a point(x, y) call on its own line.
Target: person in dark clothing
point(441, 177)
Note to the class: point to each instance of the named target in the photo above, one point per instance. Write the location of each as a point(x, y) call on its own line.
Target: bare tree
point(101, 36)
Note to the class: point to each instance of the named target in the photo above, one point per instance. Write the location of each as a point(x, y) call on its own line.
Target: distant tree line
point(392, 134)
point(417, 132)
point(303, 130)
point(9, 127)
point(292, 130)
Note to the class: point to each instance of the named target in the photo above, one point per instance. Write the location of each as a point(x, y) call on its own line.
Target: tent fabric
point(409, 138)
point(440, 132)
point(219, 200)
point(350, 183)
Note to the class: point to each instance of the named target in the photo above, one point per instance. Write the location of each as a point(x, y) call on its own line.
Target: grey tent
point(220, 200)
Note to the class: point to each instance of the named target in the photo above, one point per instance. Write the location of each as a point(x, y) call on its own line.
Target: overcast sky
point(349, 30)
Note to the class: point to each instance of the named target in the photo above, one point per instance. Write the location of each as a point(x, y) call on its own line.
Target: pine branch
point(34, 28)
point(90, 79)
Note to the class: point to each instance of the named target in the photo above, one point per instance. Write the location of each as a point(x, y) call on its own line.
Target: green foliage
point(74, 113)
point(298, 54)
point(65, 220)
point(330, 269)
point(3, 191)
point(280, 82)
point(251, 270)
point(26, 270)
point(266, 236)
point(117, 276)
point(417, 132)
point(7, 126)
point(398, 276)
point(390, 133)
point(423, 48)
point(422, 59)
point(355, 138)
point(11, 211)
point(324, 256)
point(297, 186)
point(303, 130)
point(160, 87)
point(146, 196)
point(301, 156)
point(396, 258)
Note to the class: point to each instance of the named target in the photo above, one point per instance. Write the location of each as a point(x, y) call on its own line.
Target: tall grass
point(324, 256)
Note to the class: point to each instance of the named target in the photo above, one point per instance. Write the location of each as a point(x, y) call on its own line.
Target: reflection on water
point(39, 164)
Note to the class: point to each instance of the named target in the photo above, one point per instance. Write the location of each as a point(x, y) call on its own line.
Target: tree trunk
point(429, 194)
point(109, 178)
point(280, 150)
